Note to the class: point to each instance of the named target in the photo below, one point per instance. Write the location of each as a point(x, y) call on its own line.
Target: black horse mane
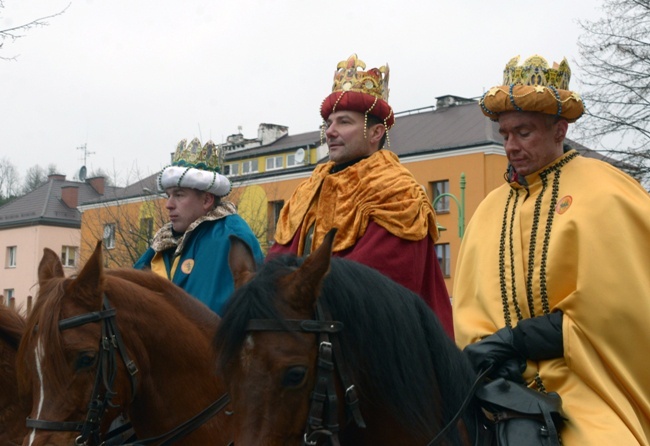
point(394, 344)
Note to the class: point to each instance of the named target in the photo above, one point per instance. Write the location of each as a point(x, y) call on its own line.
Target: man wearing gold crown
point(383, 216)
point(192, 249)
point(552, 283)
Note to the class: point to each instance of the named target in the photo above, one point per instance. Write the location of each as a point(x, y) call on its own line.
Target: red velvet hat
point(357, 90)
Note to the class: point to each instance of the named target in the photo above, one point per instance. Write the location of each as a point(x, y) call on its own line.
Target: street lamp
point(460, 204)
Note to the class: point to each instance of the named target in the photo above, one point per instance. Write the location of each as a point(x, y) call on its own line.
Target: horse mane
point(188, 306)
point(138, 291)
point(14, 406)
point(12, 326)
point(394, 344)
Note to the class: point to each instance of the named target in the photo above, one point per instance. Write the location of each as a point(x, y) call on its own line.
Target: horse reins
point(322, 420)
point(110, 345)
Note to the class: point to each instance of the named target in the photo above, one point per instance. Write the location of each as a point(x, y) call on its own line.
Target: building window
point(7, 296)
point(231, 169)
point(437, 189)
point(69, 256)
point(274, 162)
point(10, 261)
point(273, 215)
point(444, 258)
point(109, 236)
point(249, 166)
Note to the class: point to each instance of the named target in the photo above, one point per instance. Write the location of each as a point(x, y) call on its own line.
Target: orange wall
point(483, 173)
point(127, 218)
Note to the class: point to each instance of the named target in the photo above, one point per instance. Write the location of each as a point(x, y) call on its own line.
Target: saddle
point(521, 416)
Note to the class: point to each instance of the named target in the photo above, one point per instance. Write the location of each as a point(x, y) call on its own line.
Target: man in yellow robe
point(553, 277)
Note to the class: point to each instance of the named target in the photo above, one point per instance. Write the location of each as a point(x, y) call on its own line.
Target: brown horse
point(325, 349)
point(123, 338)
point(14, 406)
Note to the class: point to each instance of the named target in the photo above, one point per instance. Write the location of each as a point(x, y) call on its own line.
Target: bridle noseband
point(322, 420)
point(109, 346)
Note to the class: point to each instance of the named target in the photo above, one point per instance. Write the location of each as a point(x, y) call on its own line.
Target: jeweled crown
point(208, 157)
point(349, 76)
point(535, 71)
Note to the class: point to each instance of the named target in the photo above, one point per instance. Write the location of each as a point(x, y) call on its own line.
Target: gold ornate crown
point(535, 71)
point(208, 157)
point(349, 76)
point(534, 87)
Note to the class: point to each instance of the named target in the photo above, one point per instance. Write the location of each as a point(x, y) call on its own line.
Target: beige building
point(45, 218)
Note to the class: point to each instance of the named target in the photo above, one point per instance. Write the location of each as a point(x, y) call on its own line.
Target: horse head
point(323, 349)
point(120, 341)
point(274, 371)
point(60, 362)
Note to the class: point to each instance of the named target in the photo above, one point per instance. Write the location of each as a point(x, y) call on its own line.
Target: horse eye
point(85, 360)
point(294, 376)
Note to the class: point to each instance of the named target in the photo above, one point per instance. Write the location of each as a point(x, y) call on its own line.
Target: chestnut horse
point(329, 351)
point(124, 338)
point(14, 406)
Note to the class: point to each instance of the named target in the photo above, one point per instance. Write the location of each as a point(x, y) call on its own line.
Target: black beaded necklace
point(507, 231)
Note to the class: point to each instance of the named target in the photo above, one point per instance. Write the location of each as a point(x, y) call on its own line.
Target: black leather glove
point(507, 349)
point(494, 351)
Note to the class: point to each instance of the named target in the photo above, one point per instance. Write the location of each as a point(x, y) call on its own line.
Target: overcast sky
point(131, 78)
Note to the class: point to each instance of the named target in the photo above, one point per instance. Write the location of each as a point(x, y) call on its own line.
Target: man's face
point(345, 136)
point(531, 140)
point(185, 205)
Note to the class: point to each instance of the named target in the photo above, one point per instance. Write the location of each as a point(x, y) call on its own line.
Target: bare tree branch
point(17, 32)
point(615, 55)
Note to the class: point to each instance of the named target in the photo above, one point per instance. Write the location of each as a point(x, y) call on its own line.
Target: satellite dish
point(300, 155)
point(107, 231)
point(82, 173)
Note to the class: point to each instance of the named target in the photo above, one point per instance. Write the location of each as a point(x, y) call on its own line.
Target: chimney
point(56, 176)
point(97, 183)
point(70, 196)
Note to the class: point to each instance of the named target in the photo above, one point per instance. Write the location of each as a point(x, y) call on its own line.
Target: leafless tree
point(260, 210)
point(16, 32)
point(133, 226)
point(9, 180)
point(36, 176)
point(615, 55)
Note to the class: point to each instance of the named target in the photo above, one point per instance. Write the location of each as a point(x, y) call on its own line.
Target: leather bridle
point(323, 412)
point(322, 421)
point(110, 346)
point(103, 393)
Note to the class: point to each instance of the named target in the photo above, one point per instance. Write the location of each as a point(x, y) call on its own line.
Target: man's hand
point(505, 352)
point(498, 353)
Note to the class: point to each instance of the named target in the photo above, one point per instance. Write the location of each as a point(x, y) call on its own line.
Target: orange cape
point(377, 188)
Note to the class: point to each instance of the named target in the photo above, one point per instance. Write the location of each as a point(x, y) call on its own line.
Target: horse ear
point(241, 261)
point(50, 266)
point(90, 280)
point(305, 283)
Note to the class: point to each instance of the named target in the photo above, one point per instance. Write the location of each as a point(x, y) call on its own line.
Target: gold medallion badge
point(187, 266)
point(564, 204)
